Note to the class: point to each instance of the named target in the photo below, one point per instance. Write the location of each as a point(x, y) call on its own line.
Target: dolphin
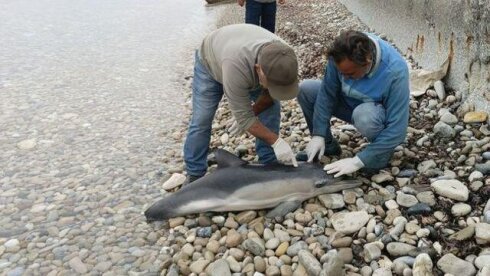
point(237, 185)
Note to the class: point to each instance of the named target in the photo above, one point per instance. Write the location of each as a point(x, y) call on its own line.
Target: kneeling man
point(366, 83)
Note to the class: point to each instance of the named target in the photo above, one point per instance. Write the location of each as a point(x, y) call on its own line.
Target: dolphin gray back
point(254, 182)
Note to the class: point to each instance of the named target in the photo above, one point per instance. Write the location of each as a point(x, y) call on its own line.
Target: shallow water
point(91, 66)
point(89, 94)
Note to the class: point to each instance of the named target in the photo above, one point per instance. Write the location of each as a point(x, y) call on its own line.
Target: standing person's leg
point(270, 118)
point(252, 12)
point(206, 95)
point(268, 17)
point(370, 120)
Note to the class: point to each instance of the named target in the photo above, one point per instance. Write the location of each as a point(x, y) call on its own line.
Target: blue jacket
point(387, 84)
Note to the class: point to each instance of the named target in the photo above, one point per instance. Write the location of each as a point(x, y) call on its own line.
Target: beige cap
point(280, 66)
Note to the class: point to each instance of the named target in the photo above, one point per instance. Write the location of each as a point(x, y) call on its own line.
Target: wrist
point(277, 142)
point(358, 162)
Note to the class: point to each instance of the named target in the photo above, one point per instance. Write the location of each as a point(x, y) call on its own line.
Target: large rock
point(334, 265)
point(449, 118)
point(451, 188)
point(349, 223)
point(399, 248)
point(220, 268)
point(482, 233)
point(475, 117)
point(198, 266)
point(255, 245)
point(456, 266)
point(422, 266)
point(372, 251)
point(332, 201)
point(482, 261)
point(309, 262)
point(424, 166)
point(463, 234)
point(444, 130)
point(406, 200)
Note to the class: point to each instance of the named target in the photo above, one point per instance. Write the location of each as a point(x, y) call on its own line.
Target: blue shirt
point(387, 84)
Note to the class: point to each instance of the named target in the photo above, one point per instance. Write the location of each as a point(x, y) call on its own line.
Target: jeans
point(261, 14)
point(369, 118)
point(206, 95)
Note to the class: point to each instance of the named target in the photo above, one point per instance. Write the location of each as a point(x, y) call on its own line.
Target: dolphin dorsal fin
point(227, 159)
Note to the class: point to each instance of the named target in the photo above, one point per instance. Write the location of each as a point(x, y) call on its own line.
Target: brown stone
point(475, 117)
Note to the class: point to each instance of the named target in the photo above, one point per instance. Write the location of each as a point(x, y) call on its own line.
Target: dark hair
point(353, 45)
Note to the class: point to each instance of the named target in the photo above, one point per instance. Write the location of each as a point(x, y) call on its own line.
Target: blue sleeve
point(326, 100)
point(396, 104)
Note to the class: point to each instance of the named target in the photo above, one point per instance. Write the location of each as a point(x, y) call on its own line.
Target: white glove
point(235, 129)
point(344, 166)
point(284, 153)
point(315, 146)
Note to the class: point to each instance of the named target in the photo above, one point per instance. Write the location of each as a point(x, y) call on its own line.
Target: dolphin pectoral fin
point(282, 209)
point(227, 159)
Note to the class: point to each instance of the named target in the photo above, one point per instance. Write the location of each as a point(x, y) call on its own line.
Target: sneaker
point(190, 178)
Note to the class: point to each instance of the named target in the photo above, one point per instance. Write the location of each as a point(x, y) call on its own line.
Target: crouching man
point(366, 83)
point(255, 69)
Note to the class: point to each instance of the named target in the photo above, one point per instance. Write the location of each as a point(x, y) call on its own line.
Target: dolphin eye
point(320, 183)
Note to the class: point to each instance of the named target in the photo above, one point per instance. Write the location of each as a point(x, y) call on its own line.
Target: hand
point(281, 2)
point(235, 129)
point(284, 153)
point(344, 166)
point(241, 3)
point(315, 146)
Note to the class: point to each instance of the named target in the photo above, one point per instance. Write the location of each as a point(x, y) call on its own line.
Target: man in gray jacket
point(247, 64)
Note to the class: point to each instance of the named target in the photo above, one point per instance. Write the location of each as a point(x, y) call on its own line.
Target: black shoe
point(190, 178)
point(332, 148)
point(301, 156)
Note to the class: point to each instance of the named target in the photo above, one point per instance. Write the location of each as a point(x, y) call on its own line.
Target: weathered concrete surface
point(432, 31)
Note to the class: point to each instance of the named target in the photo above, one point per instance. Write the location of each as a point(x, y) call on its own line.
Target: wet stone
point(255, 246)
point(309, 262)
point(296, 247)
point(351, 222)
point(452, 189)
point(483, 168)
point(475, 117)
point(204, 232)
point(456, 266)
point(464, 234)
point(332, 201)
point(406, 200)
point(419, 209)
point(407, 173)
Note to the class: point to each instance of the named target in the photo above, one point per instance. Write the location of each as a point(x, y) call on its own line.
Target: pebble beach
point(78, 209)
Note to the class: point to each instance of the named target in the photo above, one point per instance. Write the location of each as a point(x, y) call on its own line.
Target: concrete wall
point(433, 30)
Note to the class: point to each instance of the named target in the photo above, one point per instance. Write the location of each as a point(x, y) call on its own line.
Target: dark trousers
point(261, 14)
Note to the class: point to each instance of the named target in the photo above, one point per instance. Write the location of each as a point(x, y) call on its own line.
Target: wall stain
point(419, 45)
point(439, 41)
point(469, 41)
